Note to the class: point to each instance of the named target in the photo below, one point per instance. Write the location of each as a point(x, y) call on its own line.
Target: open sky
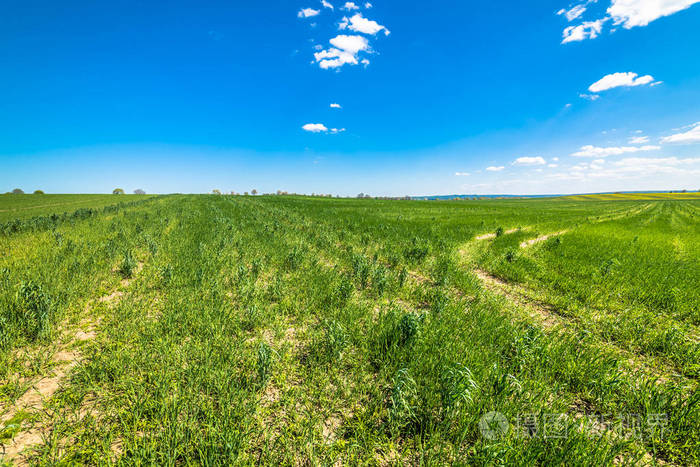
point(387, 98)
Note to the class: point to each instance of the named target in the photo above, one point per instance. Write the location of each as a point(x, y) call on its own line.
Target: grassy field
point(695, 195)
point(25, 206)
point(294, 330)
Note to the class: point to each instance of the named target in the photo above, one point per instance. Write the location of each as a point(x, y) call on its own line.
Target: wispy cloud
point(336, 106)
point(595, 151)
point(526, 161)
point(625, 13)
point(587, 30)
point(308, 13)
point(572, 13)
point(327, 4)
point(686, 137)
point(495, 168)
point(349, 6)
point(462, 174)
point(639, 140)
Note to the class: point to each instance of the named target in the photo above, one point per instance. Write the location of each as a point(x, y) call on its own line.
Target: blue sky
point(435, 98)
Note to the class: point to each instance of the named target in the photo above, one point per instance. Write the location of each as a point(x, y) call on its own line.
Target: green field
point(296, 330)
point(26, 206)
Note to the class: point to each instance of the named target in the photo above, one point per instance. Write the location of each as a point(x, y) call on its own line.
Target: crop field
point(14, 207)
point(297, 330)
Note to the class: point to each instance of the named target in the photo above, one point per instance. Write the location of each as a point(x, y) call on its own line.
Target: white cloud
point(690, 136)
point(586, 30)
point(315, 127)
point(589, 97)
point(495, 168)
point(462, 174)
point(327, 5)
point(350, 44)
point(631, 13)
point(639, 140)
point(529, 161)
point(308, 12)
point(368, 5)
point(335, 106)
point(552, 166)
point(594, 151)
point(345, 51)
point(616, 80)
point(358, 23)
point(349, 6)
point(627, 13)
point(555, 159)
point(655, 161)
point(572, 13)
point(321, 128)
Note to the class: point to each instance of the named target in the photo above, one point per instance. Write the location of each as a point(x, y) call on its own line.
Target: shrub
point(38, 192)
point(500, 232)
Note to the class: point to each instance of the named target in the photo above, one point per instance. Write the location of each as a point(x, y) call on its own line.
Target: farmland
point(282, 329)
point(26, 206)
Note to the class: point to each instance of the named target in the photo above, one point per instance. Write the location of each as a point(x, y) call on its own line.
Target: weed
point(36, 309)
point(457, 387)
point(402, 400)
point(379, 280)
point(128, 265)
point(417, 250)
point(264, 365)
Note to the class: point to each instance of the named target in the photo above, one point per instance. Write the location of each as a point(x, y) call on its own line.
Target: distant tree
point(216, 192)
point(361, 195)
point(38, 192)
point(118, 191)
point(139, 191)
point(17, 191)
point(255, 192)
point(245, 193)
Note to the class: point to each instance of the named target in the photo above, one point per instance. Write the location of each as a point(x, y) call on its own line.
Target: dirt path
point(541, 238)
point(489, 236)
point(33, 401)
